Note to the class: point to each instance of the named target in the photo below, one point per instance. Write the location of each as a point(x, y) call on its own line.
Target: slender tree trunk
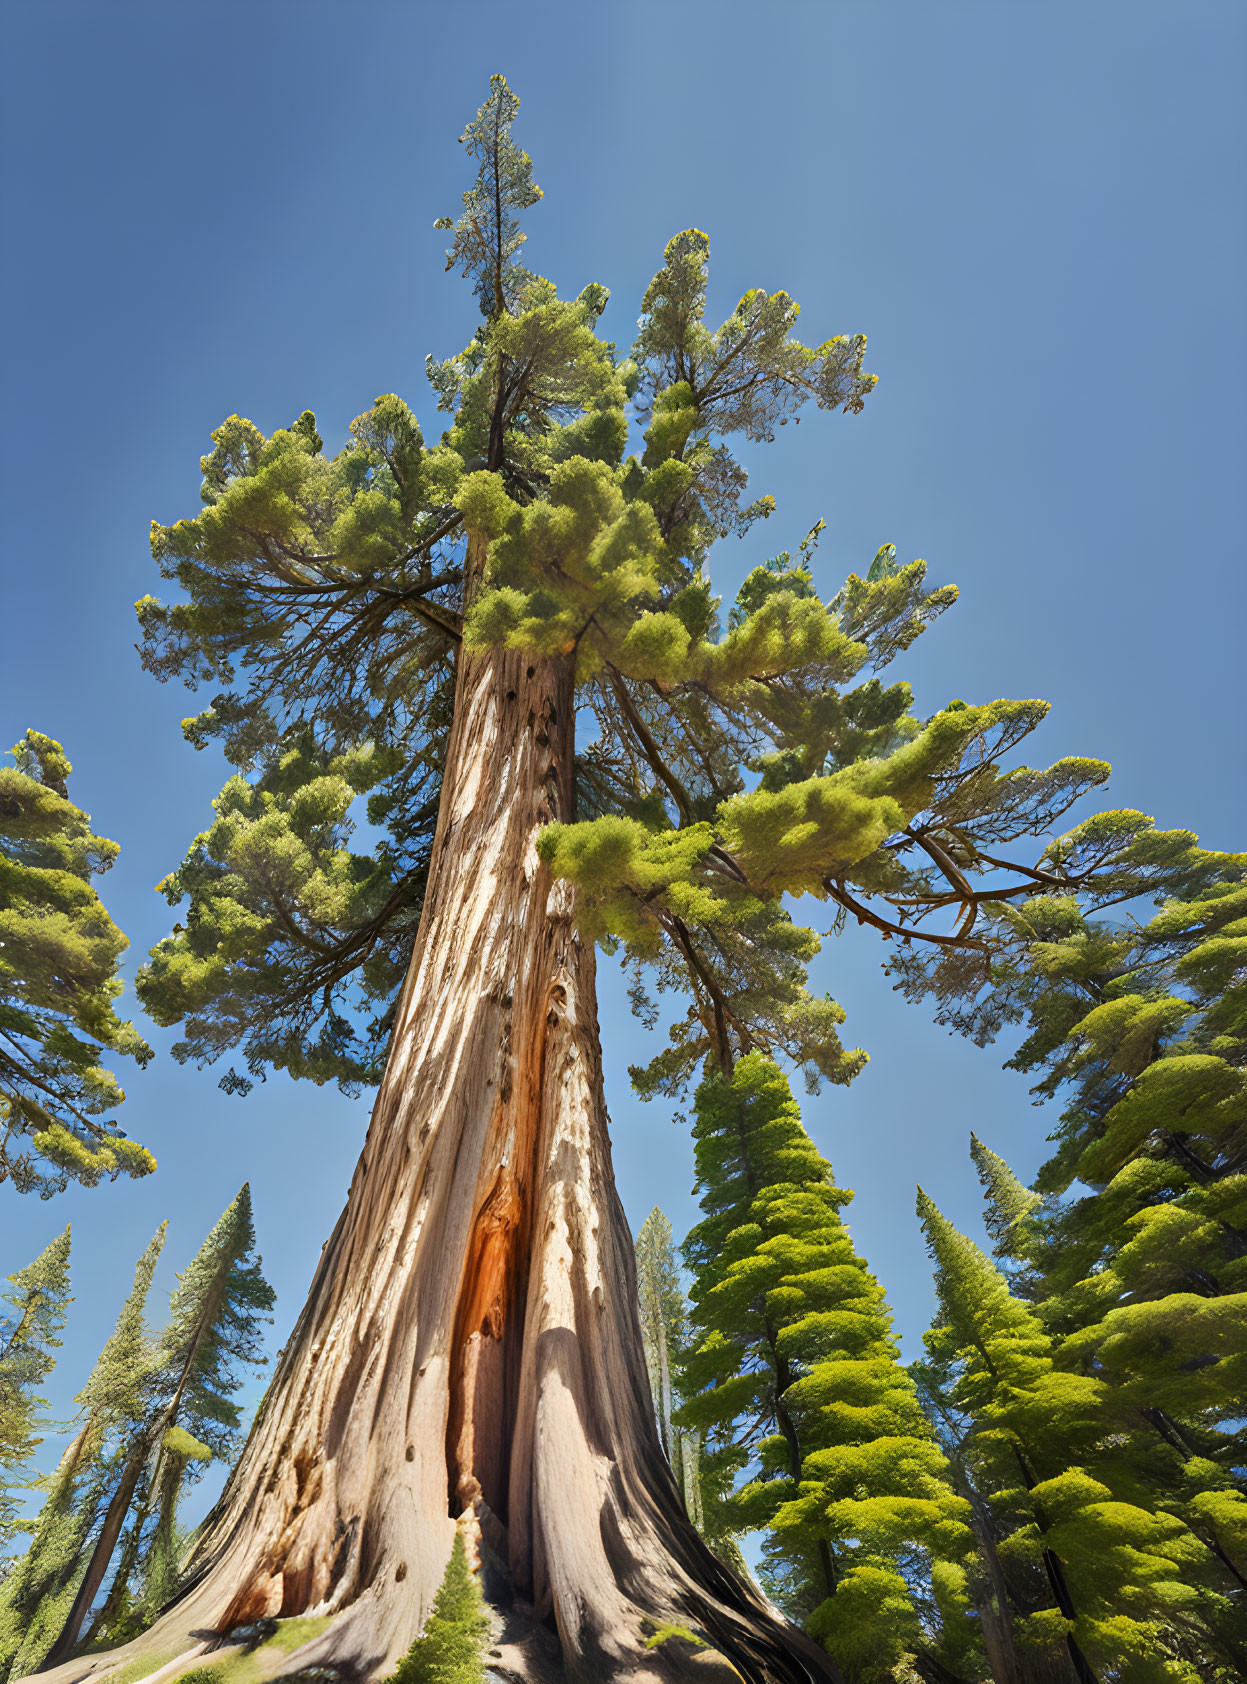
point(995, 1615)
point(690, 1475)
point(470, 1351)
point(101, 1554)
point(997, 1606)
point(658, 1363)
point(664, 1391)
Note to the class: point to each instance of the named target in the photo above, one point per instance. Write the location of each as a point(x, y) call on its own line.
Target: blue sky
point(1034, 210)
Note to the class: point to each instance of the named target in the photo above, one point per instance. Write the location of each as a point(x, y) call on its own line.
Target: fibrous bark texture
point(470, 1350)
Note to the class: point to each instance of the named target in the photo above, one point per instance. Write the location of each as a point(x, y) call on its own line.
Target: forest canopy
point(731, 758)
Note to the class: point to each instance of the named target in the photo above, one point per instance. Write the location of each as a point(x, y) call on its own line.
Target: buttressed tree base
point(430, 625)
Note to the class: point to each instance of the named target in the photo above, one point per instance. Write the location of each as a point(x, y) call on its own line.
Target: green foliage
point(535, 389)
point(1134, 1255)
point(343, 617)
point(59, 952)
point(213, 1334)
point(1129, 1585)
point(281, 912)
point(1009, 1204)
point(749, 374)
point(1142, 1277)
point(36, 1597)
point(116, 1394)
point(154, 1412)
point(215, 1329)
point(723, 764)
point(795, 1381)
point(37, 1300)
point(450, 1649)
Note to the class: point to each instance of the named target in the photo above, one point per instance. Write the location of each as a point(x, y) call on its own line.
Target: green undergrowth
point(240, 1666)
point(668, 1633)
point(138, 1669)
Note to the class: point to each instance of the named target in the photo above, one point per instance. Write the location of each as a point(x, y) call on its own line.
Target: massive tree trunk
point(470, 1352)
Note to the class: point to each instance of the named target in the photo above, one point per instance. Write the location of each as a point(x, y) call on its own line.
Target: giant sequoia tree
point(508, 642)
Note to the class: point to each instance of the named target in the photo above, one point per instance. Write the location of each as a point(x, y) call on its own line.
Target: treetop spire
point(487, 236)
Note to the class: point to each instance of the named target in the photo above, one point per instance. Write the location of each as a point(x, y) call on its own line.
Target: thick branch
point(864, 915)
point(650, 748)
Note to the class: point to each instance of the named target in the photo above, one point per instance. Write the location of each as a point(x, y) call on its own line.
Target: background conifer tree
point(1138, 1274)
point(58, 981)
point(1045, 1450)
point(165, 1546)
point(193, 1369)
point(1009, 1203)
point(36, 1301)
point(36, 1598)
point(450, 1649)
point(796, 1380)
point(664, 1334)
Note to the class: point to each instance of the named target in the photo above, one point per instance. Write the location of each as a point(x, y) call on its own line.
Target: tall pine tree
point(796, 1381)
point(36, 1598)
point(213, 1331)
point(1010, 1205)
point(1135, 1258)
point(1043, 1447)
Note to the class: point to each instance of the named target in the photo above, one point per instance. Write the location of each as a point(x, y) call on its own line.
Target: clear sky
point(1033, 209)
